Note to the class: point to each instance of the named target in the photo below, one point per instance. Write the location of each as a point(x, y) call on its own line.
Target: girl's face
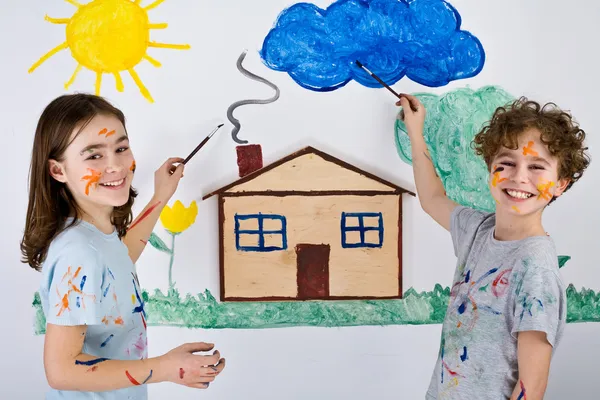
point(523, 181)
point(98, 165)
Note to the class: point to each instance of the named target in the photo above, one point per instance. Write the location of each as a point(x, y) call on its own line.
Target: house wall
point(356, 272)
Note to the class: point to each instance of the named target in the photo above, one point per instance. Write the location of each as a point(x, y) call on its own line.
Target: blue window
point(260, 232)
point(362, 230)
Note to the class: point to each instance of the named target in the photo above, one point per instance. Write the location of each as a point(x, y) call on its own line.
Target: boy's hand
point(165, 182)
point(414, 120)
point(183, 367)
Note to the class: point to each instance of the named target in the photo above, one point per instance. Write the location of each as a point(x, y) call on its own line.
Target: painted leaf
point(158, 244)
point(562, 260)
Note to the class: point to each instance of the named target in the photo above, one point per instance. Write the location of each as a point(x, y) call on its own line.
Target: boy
point(507, 308)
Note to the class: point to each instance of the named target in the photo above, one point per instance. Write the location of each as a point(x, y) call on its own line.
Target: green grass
point(204, 311)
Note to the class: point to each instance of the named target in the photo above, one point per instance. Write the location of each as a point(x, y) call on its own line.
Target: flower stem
point(171, 261)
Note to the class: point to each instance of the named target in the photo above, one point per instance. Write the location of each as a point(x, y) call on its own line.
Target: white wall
point(542, 49)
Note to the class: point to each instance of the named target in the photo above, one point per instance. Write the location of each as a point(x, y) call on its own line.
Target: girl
point(78, 233)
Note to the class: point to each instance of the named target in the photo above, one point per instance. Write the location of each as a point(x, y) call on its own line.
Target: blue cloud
point(419, 39)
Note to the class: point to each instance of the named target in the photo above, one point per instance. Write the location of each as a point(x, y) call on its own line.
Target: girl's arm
point(140, 229)
point(67, 368)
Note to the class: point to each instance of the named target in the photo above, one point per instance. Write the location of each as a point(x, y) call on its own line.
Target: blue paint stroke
point(468, 277)
point(140, 307)
point(361, 229)
point(82, 283)
point(107, 340)
point(461, 308)
point(489, 309)
point(148, 378)
point(106, 291)
point(464, 357)
point(528, 304)
point(77, 302)
point(490, 272)
point(90, 362)
point(419, 39)
point(260, 232)
point(110, 272)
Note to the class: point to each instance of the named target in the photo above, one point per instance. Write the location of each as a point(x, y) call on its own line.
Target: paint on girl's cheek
point(528, 150)
point(106, 132)
point(544, 190)
point(132, 168)
point(92, 179)
point(516, 209)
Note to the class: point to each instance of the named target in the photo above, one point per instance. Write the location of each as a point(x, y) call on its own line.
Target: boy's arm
point(534, 354)
point(430, 189)
point(165, 184)
point(67, 368)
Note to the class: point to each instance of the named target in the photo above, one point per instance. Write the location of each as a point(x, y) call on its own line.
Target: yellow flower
point(178, 218)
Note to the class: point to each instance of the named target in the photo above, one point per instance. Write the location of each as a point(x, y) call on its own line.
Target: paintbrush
point(385, 85)
point(202, 143)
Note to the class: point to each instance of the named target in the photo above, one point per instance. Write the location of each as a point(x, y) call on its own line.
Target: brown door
point(313, 271)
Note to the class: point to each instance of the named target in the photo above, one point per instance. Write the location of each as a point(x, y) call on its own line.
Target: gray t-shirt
point(500, 288)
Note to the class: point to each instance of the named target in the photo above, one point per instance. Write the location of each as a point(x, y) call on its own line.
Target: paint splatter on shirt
point(500, 288)
point(89, 279)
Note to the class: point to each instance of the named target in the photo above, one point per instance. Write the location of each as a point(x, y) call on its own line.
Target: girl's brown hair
point(50, 201)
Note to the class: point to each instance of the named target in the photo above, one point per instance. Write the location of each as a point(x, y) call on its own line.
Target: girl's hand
point(414, 120)
point(184, 367)
point(165, 182)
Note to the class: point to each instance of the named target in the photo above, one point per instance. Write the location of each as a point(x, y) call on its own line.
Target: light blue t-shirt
point(89, 279)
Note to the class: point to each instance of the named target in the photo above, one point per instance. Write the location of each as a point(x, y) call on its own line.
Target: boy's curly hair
point(562, 135)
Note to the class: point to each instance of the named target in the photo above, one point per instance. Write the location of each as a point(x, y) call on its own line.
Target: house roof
point(304, 151)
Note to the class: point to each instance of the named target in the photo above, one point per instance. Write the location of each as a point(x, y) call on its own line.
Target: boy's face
point(98, 165)
point(523, 181)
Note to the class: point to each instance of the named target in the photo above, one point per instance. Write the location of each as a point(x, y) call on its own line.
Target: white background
point(546, 50)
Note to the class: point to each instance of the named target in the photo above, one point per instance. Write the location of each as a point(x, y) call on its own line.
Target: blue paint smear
point(464, 357)
point(490, 272)
point(148, 378)
point(106, 290)
point(260, 232)
point(110, 272)
point(461, 308)
point(419, 39)
point(90, 362)
point(82, 283)
point(489, 309)
point(77, 302)
point(468, 277)
point(140, 308)
point(107, 340)
point(361, 229)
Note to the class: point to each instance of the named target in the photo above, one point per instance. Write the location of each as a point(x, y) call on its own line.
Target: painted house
point(309, 226)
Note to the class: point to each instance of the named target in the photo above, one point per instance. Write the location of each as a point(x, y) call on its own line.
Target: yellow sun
point(108, 37)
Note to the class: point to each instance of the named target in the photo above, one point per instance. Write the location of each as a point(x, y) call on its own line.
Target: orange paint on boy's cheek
point(528, 150)
point(92, 179)
point(544, 190)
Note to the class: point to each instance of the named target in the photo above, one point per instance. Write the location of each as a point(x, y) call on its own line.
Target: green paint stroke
point(204, 311)
point(452, 122)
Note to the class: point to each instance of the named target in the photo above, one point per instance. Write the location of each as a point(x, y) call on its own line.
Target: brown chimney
point(249, 159)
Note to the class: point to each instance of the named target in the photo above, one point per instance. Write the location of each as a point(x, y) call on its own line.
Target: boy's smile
point(524, 180)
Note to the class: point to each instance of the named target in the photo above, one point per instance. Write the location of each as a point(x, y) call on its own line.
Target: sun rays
point(109, 37)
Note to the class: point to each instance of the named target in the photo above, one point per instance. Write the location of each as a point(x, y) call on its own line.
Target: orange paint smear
point(132, 168)
point(92, 179)
point(64, 302)
point(516, 209)
point(106, 132)
point(544, 190)
point(528, 150)
point(496, 179)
